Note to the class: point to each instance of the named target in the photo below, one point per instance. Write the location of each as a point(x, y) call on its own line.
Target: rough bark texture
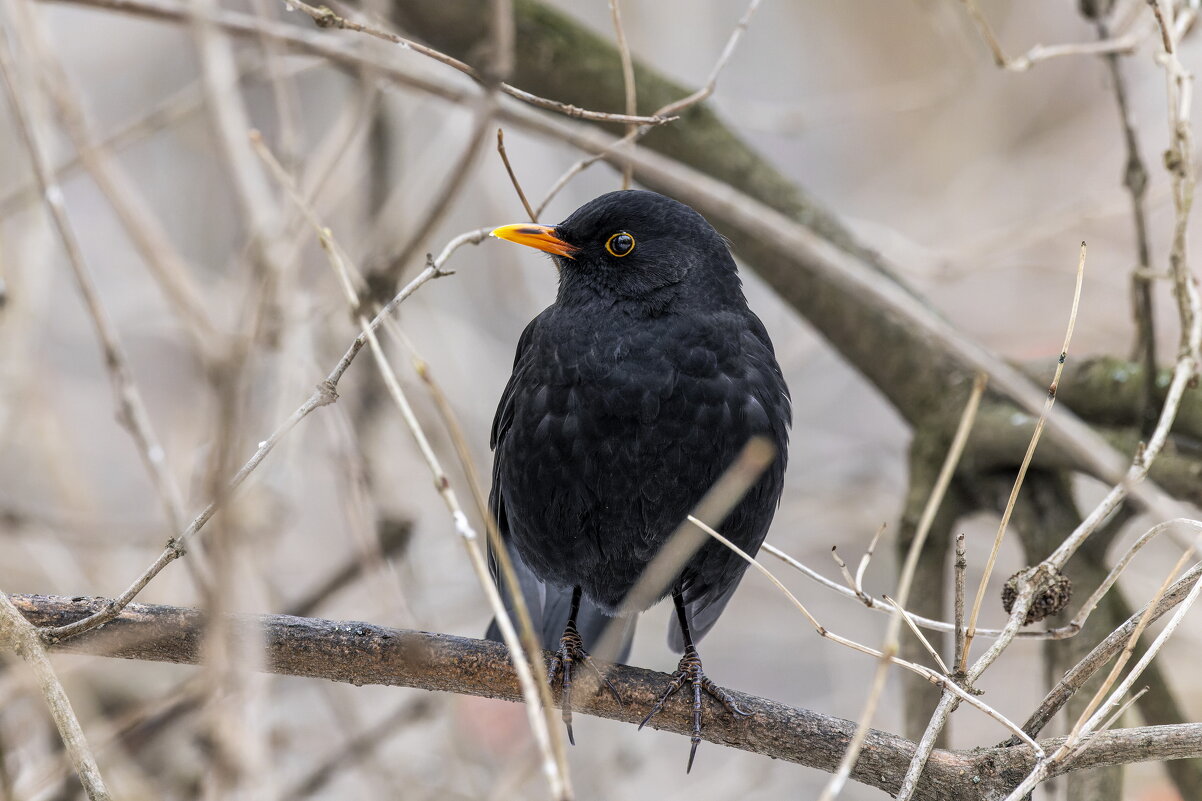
point(361, 653)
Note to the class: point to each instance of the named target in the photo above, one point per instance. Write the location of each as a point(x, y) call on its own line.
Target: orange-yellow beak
point(536, 236)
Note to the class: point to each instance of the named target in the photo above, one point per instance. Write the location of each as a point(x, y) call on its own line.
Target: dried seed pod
point(1054, 596)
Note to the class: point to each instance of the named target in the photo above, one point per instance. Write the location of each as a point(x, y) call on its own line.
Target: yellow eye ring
point(620, 244)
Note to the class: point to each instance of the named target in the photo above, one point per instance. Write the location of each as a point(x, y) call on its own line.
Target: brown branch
point(361, 653)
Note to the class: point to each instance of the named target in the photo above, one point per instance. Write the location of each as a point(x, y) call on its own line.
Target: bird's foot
point(570, 654)
point(689, 670)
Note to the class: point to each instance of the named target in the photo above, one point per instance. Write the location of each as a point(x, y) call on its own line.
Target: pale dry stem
point(18, 634)
point(538, 700)
point(970, 629)
point(131, 409)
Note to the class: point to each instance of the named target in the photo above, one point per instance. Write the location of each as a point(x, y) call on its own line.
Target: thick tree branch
point(918, 361)
point(361, 653)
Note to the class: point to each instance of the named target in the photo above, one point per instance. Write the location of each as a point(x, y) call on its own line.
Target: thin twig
point(325, 393)
point(517, 185)
point(1121, 44)
point(928, 674)
point(852, 584)
point(889, 646)
point(1118, 713)
point(131, 410)
point(1135, 179)
point(926, 644)
point(675, 107)
point(867, 557)
point(959, 568)
point(537, 699)
point(970, 628)
point(20, 635)
point(325, 18)
point(627, 81)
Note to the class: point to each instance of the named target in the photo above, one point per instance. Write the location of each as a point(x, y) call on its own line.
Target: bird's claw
point(571, 652)
point(690, 670)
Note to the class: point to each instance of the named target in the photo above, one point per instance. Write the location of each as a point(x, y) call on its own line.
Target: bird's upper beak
point(536, 236)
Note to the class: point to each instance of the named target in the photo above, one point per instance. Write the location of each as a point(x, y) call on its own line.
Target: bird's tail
point(549, 608)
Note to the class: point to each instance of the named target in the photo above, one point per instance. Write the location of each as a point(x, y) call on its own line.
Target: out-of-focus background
point(978, 184)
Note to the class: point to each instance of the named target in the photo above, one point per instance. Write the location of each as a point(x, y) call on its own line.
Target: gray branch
point(361, 653)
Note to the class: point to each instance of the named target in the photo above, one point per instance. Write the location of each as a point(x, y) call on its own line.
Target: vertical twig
point(19, 634)
point(627, 81)
point(1135, 179)
point(970, 628)
point(517, 185)
point(960, 567)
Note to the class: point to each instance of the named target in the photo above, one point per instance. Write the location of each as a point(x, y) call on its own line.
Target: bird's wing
point(748, 524)
point(548, 606)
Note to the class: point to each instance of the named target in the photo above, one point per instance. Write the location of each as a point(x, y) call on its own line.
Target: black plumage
point(630, 395)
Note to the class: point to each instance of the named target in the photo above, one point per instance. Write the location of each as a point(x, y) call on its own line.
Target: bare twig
point(1120, 44)
point(537, 697)
point(959, 568)
point(675, 107)
point(970, 628)
point(921, 670)
point(19, 634)
point(131, 410)
point(615, 13)
point(926, 644)
point(890, 645)
point(1135, 179)
point(1104, 651)
point(325, 393)
point(325, 18)
point(517, 185)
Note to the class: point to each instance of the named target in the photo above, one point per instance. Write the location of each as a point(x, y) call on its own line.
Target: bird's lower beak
point(532, 235)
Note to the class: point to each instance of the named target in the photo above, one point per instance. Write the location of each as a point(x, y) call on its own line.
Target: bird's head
point(634, 245)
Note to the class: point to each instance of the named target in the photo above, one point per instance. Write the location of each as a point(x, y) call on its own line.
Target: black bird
point(630, 395)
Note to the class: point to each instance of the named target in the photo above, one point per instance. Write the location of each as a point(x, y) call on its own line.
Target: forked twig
point(325, 18)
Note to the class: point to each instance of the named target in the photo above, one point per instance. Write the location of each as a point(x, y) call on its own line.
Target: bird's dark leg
point(571, 651)
point(690, 670)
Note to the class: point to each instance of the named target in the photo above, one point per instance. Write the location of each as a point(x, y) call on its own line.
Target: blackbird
point(630, 395)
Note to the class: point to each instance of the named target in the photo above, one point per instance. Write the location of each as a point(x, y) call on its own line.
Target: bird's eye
point(620, 244)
